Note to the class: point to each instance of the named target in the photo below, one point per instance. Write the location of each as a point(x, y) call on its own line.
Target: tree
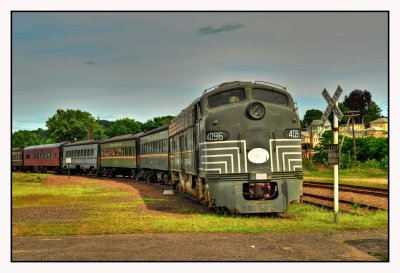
point(157, 122)
point(71, 125)
point(106, 124)
point(372, 112)
point(24, 138)
point(358, 100)
point(124, 126)
point(311, 115)
point(43, 136)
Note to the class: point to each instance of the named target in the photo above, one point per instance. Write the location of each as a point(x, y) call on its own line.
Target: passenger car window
point(270, 96)
point(226, 97)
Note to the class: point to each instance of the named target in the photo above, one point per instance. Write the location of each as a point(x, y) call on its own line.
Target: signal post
point(333, 150)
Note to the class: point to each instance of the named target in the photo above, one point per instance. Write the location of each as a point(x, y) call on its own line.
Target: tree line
point(75, 125)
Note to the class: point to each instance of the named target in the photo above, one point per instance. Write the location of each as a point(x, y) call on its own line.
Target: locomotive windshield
point(227, 97)
point(270, 96)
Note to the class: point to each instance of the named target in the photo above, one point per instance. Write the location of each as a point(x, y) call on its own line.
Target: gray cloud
point(90, 62)
point(212, 30)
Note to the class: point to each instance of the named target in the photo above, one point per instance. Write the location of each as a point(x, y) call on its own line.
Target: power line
point(383, 103)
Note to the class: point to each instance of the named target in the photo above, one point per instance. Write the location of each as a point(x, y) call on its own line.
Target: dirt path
point(296, 246)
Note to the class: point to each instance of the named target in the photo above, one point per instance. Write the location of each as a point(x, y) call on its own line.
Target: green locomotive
point(238, 148)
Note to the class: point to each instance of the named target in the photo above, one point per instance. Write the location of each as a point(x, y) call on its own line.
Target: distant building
point(378, 128)
point(358, 130)
point(319, 126)
point(316, 129)
point(305, 138)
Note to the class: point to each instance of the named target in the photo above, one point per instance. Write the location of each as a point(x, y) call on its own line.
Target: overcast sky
point(146, 64)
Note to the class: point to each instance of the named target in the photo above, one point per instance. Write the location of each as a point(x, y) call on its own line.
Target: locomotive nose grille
point(260, 191)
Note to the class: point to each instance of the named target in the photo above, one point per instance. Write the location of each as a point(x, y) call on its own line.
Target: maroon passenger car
point(43, 157)
point(17, 159)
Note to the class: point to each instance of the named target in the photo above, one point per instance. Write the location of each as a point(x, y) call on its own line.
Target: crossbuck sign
point(332, 104)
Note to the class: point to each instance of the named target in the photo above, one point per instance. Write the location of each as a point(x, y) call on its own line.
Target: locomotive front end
point(251, 151)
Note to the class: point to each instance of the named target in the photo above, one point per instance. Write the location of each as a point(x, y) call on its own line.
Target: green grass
point(104, 210)
point(357, 176)
point(348, 173)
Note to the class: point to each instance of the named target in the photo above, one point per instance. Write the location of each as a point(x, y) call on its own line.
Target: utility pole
point(353, 115)
point(311, 142)
point(343, 135)
point(90, 132)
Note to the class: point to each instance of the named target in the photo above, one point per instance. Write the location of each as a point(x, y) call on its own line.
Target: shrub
point(308, 164)
point(384, 163)
point(346, 161)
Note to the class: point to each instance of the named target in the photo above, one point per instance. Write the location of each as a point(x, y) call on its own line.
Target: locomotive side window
point(227, 97)
point(270, 96)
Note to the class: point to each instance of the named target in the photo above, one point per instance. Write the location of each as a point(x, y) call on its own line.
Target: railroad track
point(349, 196)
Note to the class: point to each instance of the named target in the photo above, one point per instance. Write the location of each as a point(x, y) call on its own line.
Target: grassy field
point(357, 176)
point(90, 206)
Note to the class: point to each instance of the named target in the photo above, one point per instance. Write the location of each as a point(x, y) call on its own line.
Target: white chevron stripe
point(222, 155)
point(284, 158)
point(297, 167)
point(217, 146)
point(218, 162)
point(290, 162)
point(214, 169)
point(277, 155)
point(282, 147)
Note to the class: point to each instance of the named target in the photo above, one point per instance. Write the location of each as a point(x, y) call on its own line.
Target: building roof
point(374, 128)
point(320, 122)
point(306, 134)
point(380, 120)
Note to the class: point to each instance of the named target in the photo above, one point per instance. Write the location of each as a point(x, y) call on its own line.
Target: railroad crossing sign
point(332, 104)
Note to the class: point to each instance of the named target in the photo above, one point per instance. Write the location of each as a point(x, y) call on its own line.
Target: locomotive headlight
point(256, 110)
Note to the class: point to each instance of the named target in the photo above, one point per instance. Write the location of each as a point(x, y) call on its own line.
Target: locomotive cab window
point(226, 97)
point(270, 96)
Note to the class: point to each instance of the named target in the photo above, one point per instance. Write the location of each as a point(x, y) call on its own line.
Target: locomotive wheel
point(165, 179)
point(207, 198)
point(133, 174)
point(111, 173)
point(150, 177)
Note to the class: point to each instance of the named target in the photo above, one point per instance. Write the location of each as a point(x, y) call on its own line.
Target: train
point(236, 148)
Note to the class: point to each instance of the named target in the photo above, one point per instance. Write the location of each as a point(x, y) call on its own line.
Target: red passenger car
point(43, 157)
point(17, 159)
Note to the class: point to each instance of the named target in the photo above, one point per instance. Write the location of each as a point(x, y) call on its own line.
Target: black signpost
point(333, 154)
